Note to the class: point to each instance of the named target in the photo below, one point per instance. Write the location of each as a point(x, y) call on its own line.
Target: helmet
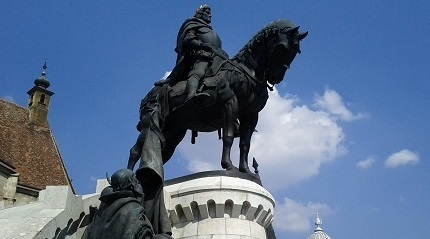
point(125, 179)
point(122, 179)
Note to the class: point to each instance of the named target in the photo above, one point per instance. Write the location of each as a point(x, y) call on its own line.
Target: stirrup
point(193, 100)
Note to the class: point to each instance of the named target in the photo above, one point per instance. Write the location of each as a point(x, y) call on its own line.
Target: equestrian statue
point(206, 92)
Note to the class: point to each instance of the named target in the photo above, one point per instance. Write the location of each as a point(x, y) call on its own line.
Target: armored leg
point(193, 82)
point(192, 85)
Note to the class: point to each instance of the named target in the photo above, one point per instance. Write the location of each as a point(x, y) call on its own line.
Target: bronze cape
point(120, 215)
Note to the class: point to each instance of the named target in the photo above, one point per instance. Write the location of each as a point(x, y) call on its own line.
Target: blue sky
point(346, 133)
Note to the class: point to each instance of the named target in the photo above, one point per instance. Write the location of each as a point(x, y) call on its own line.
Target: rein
point(252, 78)
point(245, 69)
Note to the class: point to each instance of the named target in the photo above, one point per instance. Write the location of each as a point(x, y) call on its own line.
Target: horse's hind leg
point(134, 155)
point(136, 150)
point(231, 110)
point(172, 138)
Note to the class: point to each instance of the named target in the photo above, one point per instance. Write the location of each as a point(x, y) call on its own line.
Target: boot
point(193, 98)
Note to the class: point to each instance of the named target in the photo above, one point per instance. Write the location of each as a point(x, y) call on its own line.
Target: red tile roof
point(30, 149)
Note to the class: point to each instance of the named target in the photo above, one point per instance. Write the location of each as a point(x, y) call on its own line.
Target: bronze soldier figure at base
point(121, 214)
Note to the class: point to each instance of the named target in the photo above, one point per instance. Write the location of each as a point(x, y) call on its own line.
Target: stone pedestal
point(218, 206)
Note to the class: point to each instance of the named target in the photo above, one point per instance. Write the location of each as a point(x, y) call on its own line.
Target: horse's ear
point(293, 31)
point(302, 35)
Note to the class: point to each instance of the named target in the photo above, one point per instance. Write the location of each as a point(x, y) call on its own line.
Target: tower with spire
point(318, 232)
point(39, 99)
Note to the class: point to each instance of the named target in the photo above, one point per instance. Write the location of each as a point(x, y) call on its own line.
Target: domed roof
point(319, 233)
point(41, 80)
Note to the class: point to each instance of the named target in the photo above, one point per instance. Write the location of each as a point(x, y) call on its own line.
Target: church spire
point(41, 80)
point(39, 99)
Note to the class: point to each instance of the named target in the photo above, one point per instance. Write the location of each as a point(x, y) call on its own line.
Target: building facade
point(29, 156)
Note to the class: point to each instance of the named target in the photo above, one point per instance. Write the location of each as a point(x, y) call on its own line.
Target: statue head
point(204, 13)
point(125, 179)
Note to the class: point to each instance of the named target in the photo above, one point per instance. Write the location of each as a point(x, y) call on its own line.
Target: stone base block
point(219, 207)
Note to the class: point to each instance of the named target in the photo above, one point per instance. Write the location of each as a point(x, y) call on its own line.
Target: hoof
point(245, 170)
point(232, 169)
point(229, 166)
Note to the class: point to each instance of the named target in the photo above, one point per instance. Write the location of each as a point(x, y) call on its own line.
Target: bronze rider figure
point(196, 43)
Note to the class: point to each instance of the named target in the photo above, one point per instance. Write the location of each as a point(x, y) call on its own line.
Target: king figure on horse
point(196, 45)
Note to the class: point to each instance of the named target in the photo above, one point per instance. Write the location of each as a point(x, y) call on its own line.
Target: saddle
point(209, 80)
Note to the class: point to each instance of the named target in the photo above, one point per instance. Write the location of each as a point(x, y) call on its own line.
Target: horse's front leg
point(248, 123)
point(136, 150)
point(231, 109)
point(135, 153)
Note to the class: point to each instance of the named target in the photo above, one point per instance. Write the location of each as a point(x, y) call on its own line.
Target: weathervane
point(44, 68)
point(255, 165)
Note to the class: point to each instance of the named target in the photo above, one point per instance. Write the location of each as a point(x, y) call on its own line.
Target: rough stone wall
point(57, 214)
point(39, 109)
point(22, 199)
point(3, 181)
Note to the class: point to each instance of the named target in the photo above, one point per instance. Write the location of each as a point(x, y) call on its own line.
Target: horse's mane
point(271, 29)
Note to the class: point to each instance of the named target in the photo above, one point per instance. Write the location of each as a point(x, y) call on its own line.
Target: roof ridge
point(63, 166)
point(13, 103)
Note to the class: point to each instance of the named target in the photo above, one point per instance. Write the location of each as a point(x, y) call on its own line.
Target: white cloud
point(197, 155)
point(166, 74)
point(292, 143)
point(9, 98)
point(331, 102)
point(291, 216)
point(401, 158)
point(93, 178)
point(367, 163)
point(198, 165)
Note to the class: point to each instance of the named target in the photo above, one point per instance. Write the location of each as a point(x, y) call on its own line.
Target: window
point(42, 99)
point(31, 100)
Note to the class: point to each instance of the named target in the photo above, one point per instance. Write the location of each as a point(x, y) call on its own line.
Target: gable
point(30, 149)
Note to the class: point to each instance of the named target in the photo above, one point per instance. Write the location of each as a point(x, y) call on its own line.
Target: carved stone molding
point(219, 206)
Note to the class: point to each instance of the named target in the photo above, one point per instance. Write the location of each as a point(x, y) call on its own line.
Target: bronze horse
point(238, 90)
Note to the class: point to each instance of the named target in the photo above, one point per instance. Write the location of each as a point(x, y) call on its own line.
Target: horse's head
point(270, 53)
point(282, 50)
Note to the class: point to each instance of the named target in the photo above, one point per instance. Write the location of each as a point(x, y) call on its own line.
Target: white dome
point(319, 234)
